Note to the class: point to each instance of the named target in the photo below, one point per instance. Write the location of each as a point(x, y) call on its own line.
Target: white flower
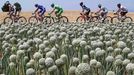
point(49, 62)
point(130, 67)
point(98, 65)
point(110, 49)
point(54, 49)
point(20, 53)
point(52, 68)
point(117, 50)
point(12, 58)
point(76, 60)
point(12, 65)
point(37, 40)
point(42, 46)
point(119, 57)
point(100, 53)
point(64, 57)
point(46, 43)
point(110, 73)
point(32, 61)
point(93, 62)
point(72, 70)
point(85, 58)
point(118, 62)
point(37, 55)
point(50, 54)
point(76, 41)
point(47, 49)
point(126, 50)
point(131, 55)
point(121, 44)
point(82, 69)
point(59, 62)
point(109, 59)
point(126, 61)
point(92, 53)
point(53, 39)
point(30, 71)
point(83, 43)
point(42, 61)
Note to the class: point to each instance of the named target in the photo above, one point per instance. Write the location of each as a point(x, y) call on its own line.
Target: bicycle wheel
point(115, 20)
point(80, 19)
point(63, 19)
point(128, 20)
point(47, 20)
point(107, 20)
point(33, 20)
point(22, 20)
point(8, 21)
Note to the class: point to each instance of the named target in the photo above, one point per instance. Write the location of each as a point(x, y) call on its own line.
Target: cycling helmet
point(119, 5)
point(36, 5)
point(81, 3)
point(52, 5)
point(99, 5)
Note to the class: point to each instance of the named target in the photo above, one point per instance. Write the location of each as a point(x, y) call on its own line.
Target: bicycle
point(61, 19)
point(34, 19)
point(99, 19)
point(14, 19)
point(83, 19)
point(118, 19)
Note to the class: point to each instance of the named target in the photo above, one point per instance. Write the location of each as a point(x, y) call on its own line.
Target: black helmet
point(81, 3)
point(99, 5)
point(119, 5)
point(36, 5)
point(52, 5)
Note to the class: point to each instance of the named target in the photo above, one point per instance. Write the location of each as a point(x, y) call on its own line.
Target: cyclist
point(58, 10)
point(40, 11)
point(85, 10)
point(11, 10)
point(102, 12)
point(17, 8)
point(122, 11)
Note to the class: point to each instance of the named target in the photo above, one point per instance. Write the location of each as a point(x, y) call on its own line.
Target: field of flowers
point(67, 49)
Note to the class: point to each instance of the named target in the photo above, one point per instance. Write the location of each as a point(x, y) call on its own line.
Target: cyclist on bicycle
point(122, 11)
point(85, 10)
point(102, 12)
point(58, 10)
point(40, 11)
point(17, 8)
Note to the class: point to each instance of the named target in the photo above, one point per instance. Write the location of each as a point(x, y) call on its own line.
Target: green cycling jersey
point(58, 11)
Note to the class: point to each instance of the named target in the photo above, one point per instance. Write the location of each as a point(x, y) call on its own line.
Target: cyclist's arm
point(52, 11)
point(36, 10)
point(118, 11)
point(98, 11)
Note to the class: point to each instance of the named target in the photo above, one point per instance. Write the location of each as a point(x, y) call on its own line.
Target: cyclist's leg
point(42, 14)
point(87, 14)
point(56, 12)
point(19, 10)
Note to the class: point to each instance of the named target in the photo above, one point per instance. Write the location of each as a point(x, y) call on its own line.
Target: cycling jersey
point(85, 8)
point(58, 11)
point(17, 6)
point(42, 10)
point(123, 9)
